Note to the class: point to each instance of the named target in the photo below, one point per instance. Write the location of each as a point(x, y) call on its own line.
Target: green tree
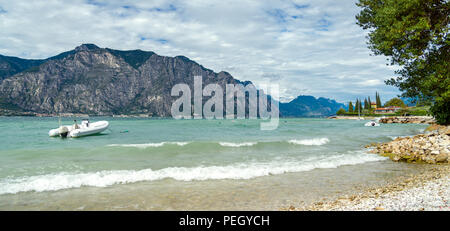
point(378, 100)
point(403, 112)
point(414, 34)
point(423, 102)
point(370, 103)
point(395, 102)
point(357, 108)
point(366, 104)
point(350, 107)
point(341, 111)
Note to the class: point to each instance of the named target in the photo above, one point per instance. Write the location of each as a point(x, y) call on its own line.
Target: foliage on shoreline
point(411, 111)
point(414, 34)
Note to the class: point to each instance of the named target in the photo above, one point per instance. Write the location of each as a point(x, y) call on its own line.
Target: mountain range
point(102, 81)
point(309, 106)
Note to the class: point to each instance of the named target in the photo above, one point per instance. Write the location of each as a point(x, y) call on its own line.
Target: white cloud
point(308, 47)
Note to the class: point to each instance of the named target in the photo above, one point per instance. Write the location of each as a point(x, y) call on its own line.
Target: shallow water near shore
point(164, 164)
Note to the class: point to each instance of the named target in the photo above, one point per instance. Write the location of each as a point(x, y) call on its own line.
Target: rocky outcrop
point(408, 120)
point(432, 147)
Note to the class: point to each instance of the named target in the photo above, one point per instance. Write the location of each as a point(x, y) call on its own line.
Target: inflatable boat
point(85, 129)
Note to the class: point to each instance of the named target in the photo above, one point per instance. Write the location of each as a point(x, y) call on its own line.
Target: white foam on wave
point(395, 137)
point(236, 145)
point(148, 145)
point(315, 141)
point(64, 180)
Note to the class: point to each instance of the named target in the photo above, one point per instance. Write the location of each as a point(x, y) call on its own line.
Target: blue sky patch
point(323, 24)
point(279, 15)
point(159, 40)
point(162, 41)
point(297, 6)
point(95, 3)
point(170, 8)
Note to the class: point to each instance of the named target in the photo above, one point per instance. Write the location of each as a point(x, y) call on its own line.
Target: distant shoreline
point(404, 119)
point(390, 119)
point(71, 115)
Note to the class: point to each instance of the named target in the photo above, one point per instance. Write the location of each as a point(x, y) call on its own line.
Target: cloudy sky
point(308, 47)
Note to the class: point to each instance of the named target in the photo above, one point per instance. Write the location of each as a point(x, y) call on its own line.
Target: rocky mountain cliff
point(103, 81)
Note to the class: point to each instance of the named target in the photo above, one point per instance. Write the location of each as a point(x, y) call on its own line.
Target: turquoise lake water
point(188, 154)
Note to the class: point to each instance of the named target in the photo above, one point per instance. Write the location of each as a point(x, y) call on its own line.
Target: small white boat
point(372, 124)
point(85, 129)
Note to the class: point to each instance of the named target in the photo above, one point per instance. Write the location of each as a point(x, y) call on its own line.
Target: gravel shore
point(429, 191)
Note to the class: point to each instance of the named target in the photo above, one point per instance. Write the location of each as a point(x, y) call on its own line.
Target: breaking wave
point(316, 141)
point(66, 180)
point(236, 145)
point(147, 145)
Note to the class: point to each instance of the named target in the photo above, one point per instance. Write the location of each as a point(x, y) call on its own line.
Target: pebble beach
point(427, 191)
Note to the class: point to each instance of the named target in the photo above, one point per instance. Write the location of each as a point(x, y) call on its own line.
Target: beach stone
point(441, 158)
point(432, 147)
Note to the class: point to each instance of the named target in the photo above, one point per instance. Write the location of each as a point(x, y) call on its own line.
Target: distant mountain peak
point(86, 47)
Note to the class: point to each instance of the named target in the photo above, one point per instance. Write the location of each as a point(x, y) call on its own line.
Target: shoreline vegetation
point(391, 119)
point(425, 191)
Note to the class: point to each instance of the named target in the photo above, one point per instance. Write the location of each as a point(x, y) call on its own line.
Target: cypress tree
point(357, 106)
point(370, 103)
point(366, 104)
point(378, 100)
point(350, 107)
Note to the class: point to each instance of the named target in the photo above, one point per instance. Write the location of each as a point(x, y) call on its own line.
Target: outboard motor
point(63, 131)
